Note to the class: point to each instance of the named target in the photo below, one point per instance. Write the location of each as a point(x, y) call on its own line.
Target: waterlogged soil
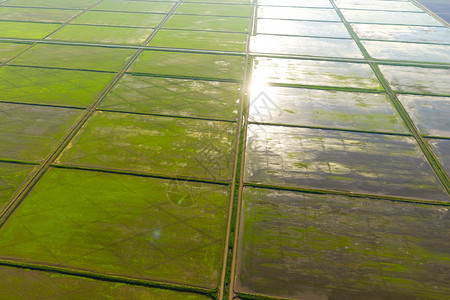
point(308, 246)
point(442, 150)
point(310, 46)
point(321, 108)
point(417, 79)
point(315, 73)
point(342, 161)
point(430, 114)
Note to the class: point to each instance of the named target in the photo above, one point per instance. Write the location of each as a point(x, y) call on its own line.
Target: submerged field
point(224, 149)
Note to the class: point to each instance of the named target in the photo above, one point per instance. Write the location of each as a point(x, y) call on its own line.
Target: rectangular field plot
point(196, 65)
point(214, 9)
point(389, 17)
point(201, 40)
point(320, 108)
point(17, 283)
point(164, 230)
point(336, 160)
point(345, 48)
point(119, 19)
point(378, 5)
point(302, 28)
point(75, 57)
point(177, 97)
point(50, 86)
point(29, 132)
point(408, 51)
point(298, 13)
point(430, 114)
point(309, 246)
point(135, 6)
point(315, 73)
point(79, 4)
point(293, 3)
point(36, 14)
point(26, 30)
point(12, 175)
point(208, 23)
point(157, 145)
point(102, 34)
point(417, 79)
point(401, 33)
point(442, 150)
point(9, 50)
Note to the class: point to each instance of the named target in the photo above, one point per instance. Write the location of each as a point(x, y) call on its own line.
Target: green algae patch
point(12, 175)
point(321, 108)
point(135, 6)
point(119, 19)
point(75, 57)
point(17, 283)
point(33, 131)
point(207, 23)
point(9, 50)
point(196, 65)
point(51, 86)
point(177, 97)
point(370, 163)
point(145, 228)
point(36, 14)
point(214, 9)
point(201, 40)
point(309, 246)
point(24, 30)
point(155, 145)
point(102, 34)
point(314, 73)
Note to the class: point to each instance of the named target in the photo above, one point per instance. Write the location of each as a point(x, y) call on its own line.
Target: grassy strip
point(20, 162)
point(330, 128)
point(347, 194)
point(184, 77)
point(165, 115)
point(230, 264)
point(139, 174)
point(59, 68)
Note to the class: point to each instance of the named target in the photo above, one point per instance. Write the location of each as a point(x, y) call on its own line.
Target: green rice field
point(228, 149)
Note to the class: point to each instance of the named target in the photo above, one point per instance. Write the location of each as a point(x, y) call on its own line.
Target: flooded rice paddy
point(230, 149)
